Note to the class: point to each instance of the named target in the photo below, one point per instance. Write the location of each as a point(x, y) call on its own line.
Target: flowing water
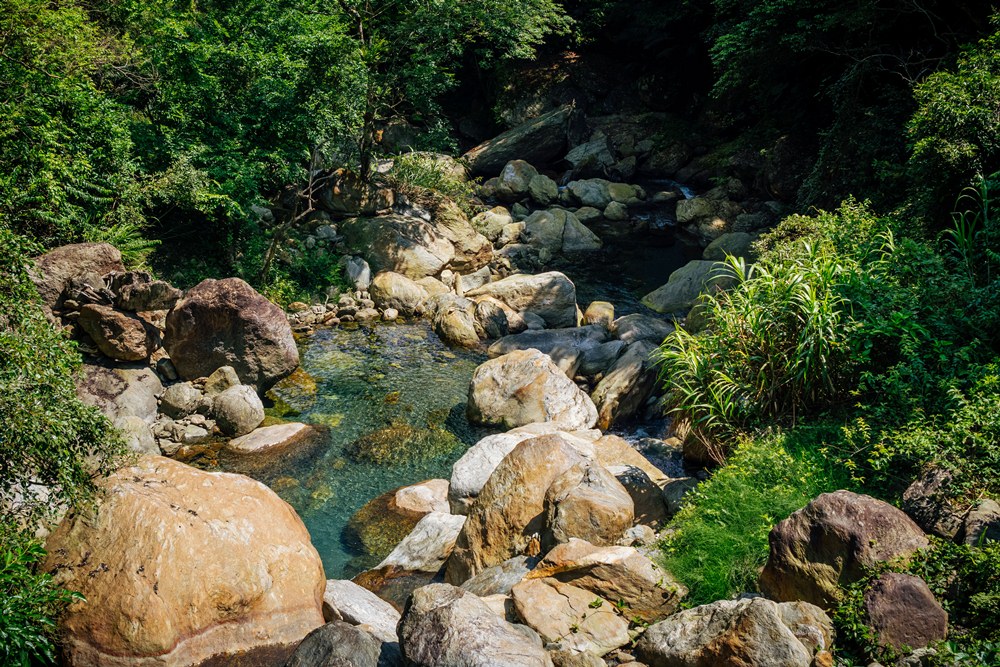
point(389, 400)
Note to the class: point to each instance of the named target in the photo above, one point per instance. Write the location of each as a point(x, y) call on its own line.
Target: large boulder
point(120, 391)
point(470, 472)
point(558, 230)
point(119, 335)
point(589, 503)
point(635, 327)
point(346, 193)
point(73, 266)
point(514, 180)
point(927, 502)
point(269, 438)
point(402, 244)
point(394, 290)
point(831, 542)
point(508, 519)
point(179, 566)
point(539, 141)
point(551, 296)
point(428, 545)
point(686, 284)
point(227, 323)
point(523, 387)
point(626, 385)
point(454, 321)
point(615, 573)
point(902, 611)
point(749, 633)
point(570, 617)
point(337, 644)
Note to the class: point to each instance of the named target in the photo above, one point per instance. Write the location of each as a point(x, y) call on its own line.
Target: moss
point(402, 443)
point(379, 526)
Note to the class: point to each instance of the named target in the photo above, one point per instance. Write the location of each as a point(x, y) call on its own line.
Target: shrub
point(51, 448)
point(29, 601)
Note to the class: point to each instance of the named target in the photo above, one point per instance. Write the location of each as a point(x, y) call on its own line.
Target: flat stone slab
point(269, 437)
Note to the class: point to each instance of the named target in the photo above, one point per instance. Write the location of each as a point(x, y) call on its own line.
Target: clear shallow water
point(390, 401)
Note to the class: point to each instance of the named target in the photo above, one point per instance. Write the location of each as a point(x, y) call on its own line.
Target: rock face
point(337, 644)
point(587, 502)
point(525, 387)
point(615, 573)
point(626, 385)
point(571, 617)
point(508, 519)
point(538, 141)
point(118, 335)
point(227, 323)
point(749, 633)
point(830, 542)
point(444, 626)
point(551, 296)
point(74, 265)
point(180, 565)
point(399, 243)
point(120, 391)
point(903, 612)
point(686, 284)
point(393, 290)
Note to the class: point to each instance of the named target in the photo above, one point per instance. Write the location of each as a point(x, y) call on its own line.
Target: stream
point(389, 399)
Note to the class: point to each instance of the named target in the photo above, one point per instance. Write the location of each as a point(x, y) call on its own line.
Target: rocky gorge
point(536, 546)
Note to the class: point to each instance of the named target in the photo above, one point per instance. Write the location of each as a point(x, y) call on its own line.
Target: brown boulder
point(227, 323)
point(508, 518)
point(179, 566)
point(903, 612)
point(73, 265)
point(589, 503)
point(830, 542)
point(119, 335)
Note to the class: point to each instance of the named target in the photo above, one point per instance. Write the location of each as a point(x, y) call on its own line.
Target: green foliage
point(129, 237)
point(29, 601)
point(718, 541)
point(412, 173)
point(51, 448)
point(955, 131)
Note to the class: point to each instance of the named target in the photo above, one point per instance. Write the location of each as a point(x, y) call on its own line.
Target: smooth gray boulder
point(337, 644)
point(346, 601)
point(686, 284)
point(238, 410)
point(444, 626)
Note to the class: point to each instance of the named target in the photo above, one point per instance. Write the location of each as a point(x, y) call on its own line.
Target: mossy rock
point(402, 443)
point(297, 392)
point(379, 526)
